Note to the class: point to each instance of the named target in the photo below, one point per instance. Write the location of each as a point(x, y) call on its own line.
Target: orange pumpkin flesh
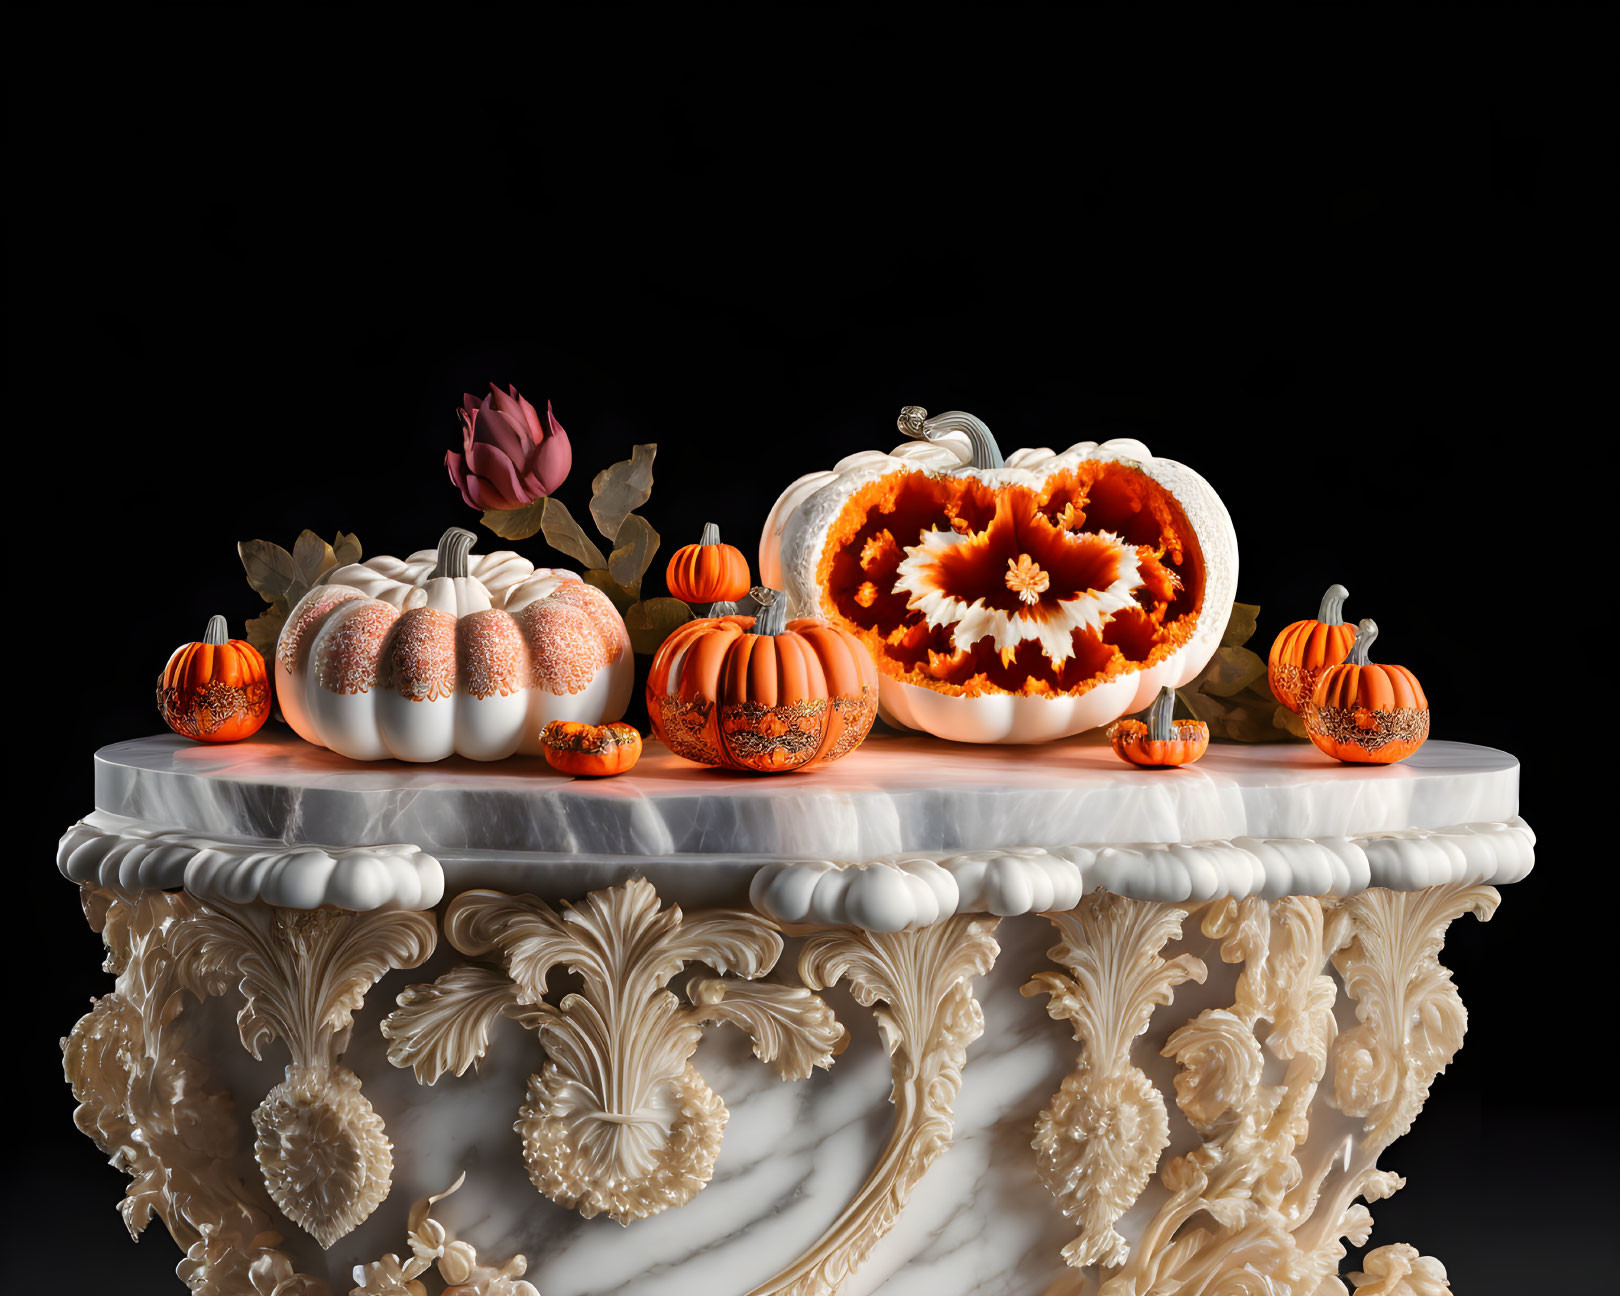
point(1305, 649)
point(1367, 713)
point(1048, 541)
point(215, 690)
point(797, 694)
point(593, 750)
point(1161, 743)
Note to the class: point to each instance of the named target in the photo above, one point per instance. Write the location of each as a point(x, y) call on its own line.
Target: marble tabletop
point(917, 827)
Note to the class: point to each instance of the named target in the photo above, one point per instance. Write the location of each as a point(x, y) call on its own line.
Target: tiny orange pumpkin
point(762, 693)
point(593, 750)
point(1161, 743)
point(1305, 649)
point(215, 690)
point(708, 572)
point(1365, 713)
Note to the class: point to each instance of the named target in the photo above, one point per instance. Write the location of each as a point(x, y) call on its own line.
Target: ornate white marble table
point(1245, 972)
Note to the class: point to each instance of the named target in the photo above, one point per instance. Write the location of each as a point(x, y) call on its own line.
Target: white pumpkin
point(1017, 600)
point(448, 653)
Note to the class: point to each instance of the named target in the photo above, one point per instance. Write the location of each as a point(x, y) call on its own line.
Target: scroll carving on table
point(919, 986)
point(1257, 1196)
point(146, 1099)
point(617, 1121)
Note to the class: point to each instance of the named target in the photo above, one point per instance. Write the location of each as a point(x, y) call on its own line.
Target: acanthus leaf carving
point(791, 1028)
point(443, 1026)
point(1098, 1142)
point(324, 1154)
point(617, 1120)
point(1257, 1201)
point(918, 984)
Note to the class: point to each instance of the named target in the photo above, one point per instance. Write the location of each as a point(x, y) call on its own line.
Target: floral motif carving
point(1257, 1197)
point(432, 1244)
point(145, 1100)
point(326, 1159)
point(617, 1121)
point(1099, 1141)
point(918, 985)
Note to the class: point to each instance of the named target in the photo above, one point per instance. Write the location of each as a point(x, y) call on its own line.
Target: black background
point(1350, 270)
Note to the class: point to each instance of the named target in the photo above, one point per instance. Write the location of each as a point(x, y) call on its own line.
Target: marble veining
point(905, 831)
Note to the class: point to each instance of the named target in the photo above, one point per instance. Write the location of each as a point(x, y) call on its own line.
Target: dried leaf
point(264, 629)
point(1240, 626)
point(599, 577)
point(1286, 719)
point(637, 543)
point(346, 549)
point(618, 490)
point(311, 557)
point(652, 621)
point(269, 568)
point(564, 534)
point(1230, 671)
point(518, 523)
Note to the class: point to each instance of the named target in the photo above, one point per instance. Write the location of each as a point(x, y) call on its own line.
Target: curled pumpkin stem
point(1366, 632)
point(1331, 611)
point(915, 423)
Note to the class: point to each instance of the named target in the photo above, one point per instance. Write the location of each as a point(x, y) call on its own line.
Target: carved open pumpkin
point(449, 653)
point(1009, 601)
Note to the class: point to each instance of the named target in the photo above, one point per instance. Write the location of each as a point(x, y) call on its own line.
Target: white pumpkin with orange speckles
point(449, 653)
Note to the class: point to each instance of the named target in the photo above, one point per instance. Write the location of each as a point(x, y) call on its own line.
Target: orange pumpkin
point(216, 690)
point(1161, 743)
point(1369, 714)
point(762, 693)
point(1305, 649)
point(708, 571)
point(595, 750)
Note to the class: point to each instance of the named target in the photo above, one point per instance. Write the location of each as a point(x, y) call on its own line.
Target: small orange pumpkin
point(1305, 649)
point(215, 690)
point(1366, 713)
point(708, 572)
point(1161, 743)
point(595, 750)
point(762, 693)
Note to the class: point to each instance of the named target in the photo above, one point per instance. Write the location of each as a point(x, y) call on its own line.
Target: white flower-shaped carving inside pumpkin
point(1025, 577)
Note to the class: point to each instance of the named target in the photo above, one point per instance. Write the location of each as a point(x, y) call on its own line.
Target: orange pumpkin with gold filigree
point(1305, 649)
point(215, 690)
point(762, 693)
point(595, 751)
point(1367, 713)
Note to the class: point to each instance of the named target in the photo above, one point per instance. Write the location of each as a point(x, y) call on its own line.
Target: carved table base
point(1168, 1099)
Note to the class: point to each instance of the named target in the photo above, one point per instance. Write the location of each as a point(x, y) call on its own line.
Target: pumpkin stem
point(1332, 610)
point(1159, 727)
point(454, 546)
point(771, 619)
point(217, 633)
point(711, 534)
point(721, 609)
point(1366, 632)
point(915, 423)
